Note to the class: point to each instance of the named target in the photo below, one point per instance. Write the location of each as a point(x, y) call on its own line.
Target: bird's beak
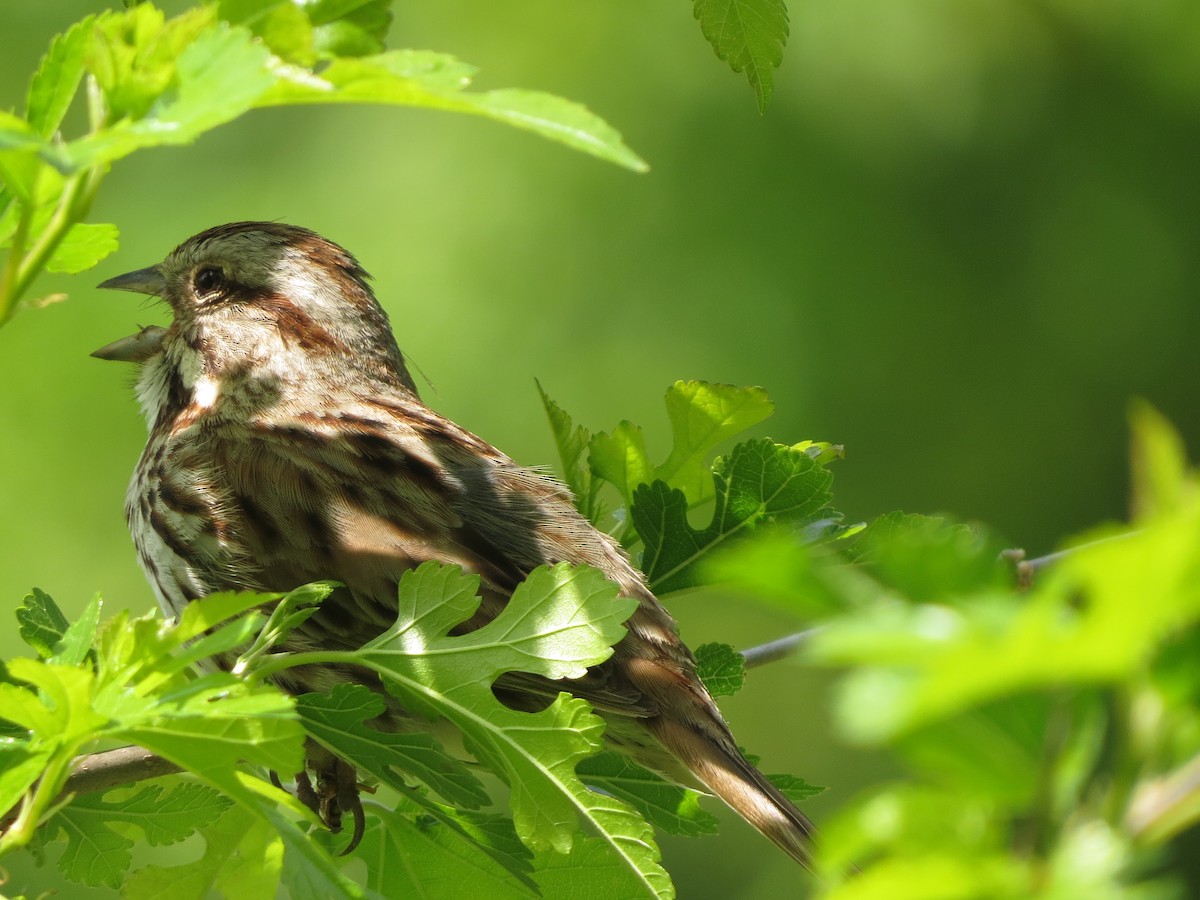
point(136, 348)
point(143, 281)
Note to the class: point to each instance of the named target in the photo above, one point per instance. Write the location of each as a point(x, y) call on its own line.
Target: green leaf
point(588, 872)
point(57, 78)
point(795, 788)
point(338, 721)
point(674, 809)
point(759, 483)
point(21, 765)
point(96, 854)
point(1158, 462)
point(784, 568)
point(62, 712)
point(243, 858)
point(931, 558)
point(82, 247)
point(703, 416)
point(749, 35)
point(220, 73)
point(558, 622)
point(133, 55)
point(438, 81)
point(721, 668)
point(289, 612)
point(350, 27)
point(411, 856)
point(919, 663)
point(41, 623)
point(620, 458)
point(76, 643)
point(284, 26)
point(572, 442)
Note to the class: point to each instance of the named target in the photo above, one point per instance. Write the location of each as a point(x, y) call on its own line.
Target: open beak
point(136, 348)
point(143, 281)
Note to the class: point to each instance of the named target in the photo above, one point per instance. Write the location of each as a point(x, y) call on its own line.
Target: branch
point(103, 771)
point(780, 648)
point(111, 768)
point(1027, 569)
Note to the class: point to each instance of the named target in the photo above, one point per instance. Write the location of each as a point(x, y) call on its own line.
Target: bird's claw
point(335, 792)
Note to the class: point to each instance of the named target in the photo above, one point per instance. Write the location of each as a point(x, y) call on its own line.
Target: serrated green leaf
point(703, 416)
point(98, 857)
point(557, 623)
point(220, 73)
point(57, 78)
point(588, 872)
point(132, 55)
point(721, 668)
point(66, 716)
point(572, 442)
point(759, 483)
point(749, 35)
point(206, 613)
point(620, 458)
point(919, 663)
point(96, 854)
point(338, 720)
point(674, 809)
point(243, 858)
point(41, 623)
point(21, 765)
point(76, 643)
point(421, 78)
point(409, 855)
point(82, 247)
point(795, 788)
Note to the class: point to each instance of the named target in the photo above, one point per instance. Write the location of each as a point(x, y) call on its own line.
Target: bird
point(288, 444)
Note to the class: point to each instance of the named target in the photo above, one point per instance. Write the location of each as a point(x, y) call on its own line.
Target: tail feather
point(709, 752)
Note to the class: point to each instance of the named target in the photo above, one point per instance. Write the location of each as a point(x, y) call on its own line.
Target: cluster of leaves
point(153, 81)
point(575, 812)
point(1051, 734)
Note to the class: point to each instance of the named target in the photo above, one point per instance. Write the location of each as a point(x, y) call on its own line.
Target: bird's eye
point(208, 279)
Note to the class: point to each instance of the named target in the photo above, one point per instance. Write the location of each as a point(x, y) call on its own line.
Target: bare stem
point(780, 648)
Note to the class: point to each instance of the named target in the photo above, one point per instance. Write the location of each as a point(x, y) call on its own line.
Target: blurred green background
point(963, 236)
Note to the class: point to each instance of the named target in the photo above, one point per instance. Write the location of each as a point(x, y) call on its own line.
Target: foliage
point(1048, 733)
point(152, 81)
point(574, 812)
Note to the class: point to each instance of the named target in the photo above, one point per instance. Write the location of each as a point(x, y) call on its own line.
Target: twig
point(780, 648)
point(110, 768)
point(125, 765)
point(103, 771)
point(1026, 569)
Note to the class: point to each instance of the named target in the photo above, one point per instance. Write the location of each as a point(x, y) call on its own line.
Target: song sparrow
point(287, 444)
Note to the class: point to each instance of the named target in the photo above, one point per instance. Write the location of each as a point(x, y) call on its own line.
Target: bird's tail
point(709, 751)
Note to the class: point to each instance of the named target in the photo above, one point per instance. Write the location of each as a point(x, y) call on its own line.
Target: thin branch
point(1027, 569)
point(780, 648)
point(111, 768)
point(103, 771)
